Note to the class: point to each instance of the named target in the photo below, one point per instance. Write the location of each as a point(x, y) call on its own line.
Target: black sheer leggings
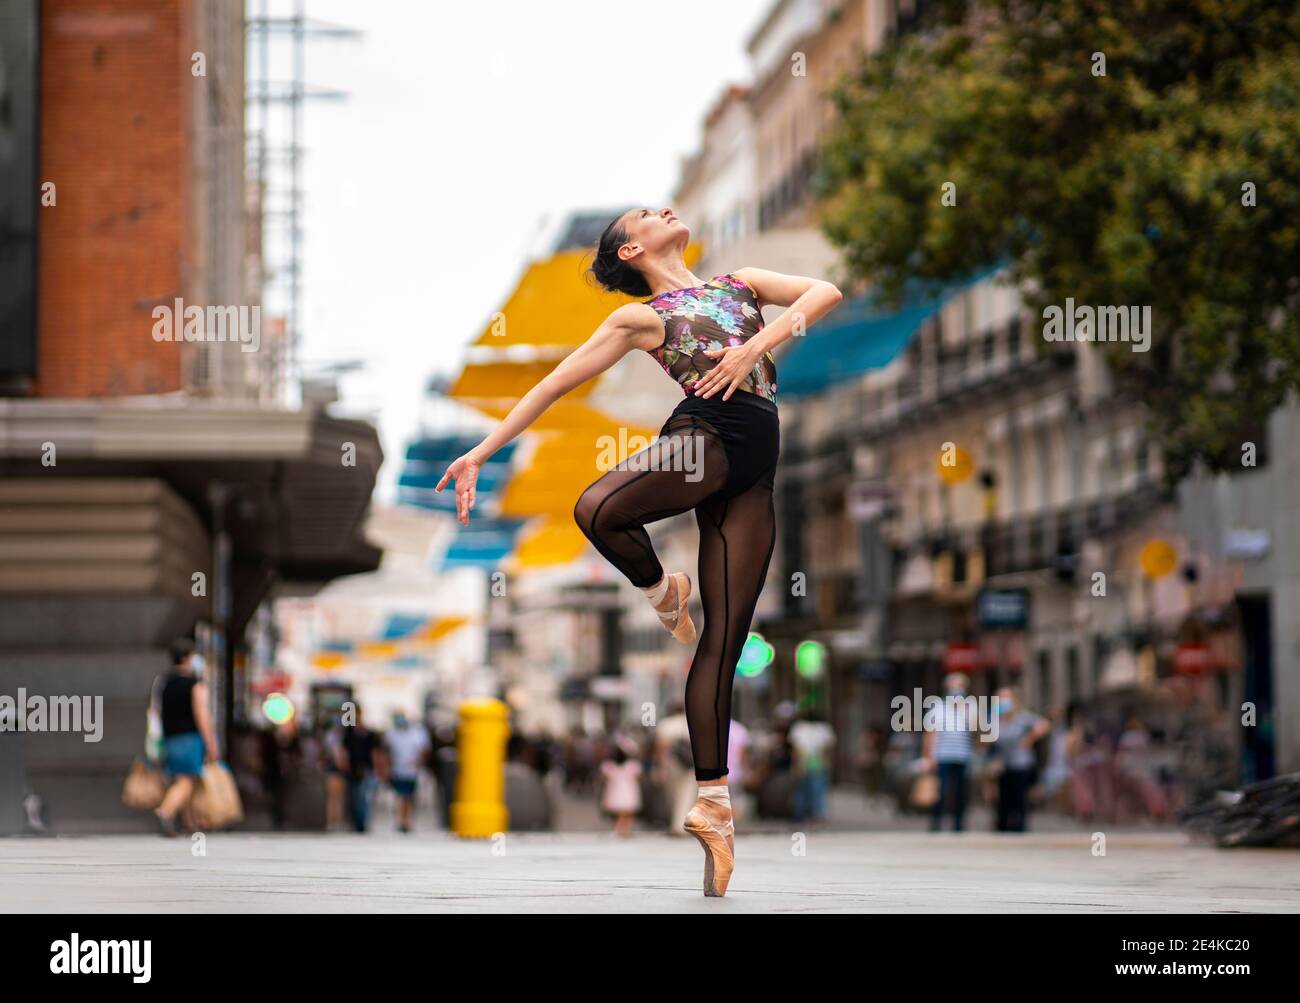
point(686, 468)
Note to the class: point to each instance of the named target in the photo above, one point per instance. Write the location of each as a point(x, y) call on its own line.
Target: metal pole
point(295, 184)
point(222, 687)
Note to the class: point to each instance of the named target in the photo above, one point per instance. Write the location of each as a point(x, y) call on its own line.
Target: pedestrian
point(336, 780)
point(738, 745)
point(871, 761)
point(1134, 773)
point(359, 761)
point(1056, 774)
point(188, 736)
point(579, 761)
point(280, 751)
point(407, 746)
point(444, 757)
point(1019, 730)
point(674, 760)
point(812, 739)
point(622, 794)
point(946, 749)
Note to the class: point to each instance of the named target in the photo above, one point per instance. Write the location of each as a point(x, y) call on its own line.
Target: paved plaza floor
point(791, 872)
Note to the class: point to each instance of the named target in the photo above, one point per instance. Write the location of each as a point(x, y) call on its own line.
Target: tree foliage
point(1126, 188)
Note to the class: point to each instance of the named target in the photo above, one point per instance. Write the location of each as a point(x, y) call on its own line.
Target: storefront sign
point(867, 500)
point(1245, 544)
point(1003, 608)
point(961, 658)
point(1191, 659)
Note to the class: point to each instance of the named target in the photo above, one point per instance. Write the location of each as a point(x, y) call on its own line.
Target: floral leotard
point(719, 314)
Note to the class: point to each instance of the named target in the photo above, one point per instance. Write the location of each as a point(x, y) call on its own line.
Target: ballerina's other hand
point(737, 363)
point(464, 471)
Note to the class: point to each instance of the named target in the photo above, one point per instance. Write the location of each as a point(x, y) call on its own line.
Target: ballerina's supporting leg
point(737, 536)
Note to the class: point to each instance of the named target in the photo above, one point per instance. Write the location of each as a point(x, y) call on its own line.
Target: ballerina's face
point(652, 231)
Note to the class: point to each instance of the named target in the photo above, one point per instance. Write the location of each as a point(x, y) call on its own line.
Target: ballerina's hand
point(736, 365)
point(464, 471)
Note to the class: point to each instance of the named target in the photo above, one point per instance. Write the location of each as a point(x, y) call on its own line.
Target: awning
point(555, 540)
point(293, 507)
point(506, 380)
point(552, 309)
point(427, 460)
point(862, 335)
point(554, 303)
point(403, 636)
point(484, 543)
point(562, 467)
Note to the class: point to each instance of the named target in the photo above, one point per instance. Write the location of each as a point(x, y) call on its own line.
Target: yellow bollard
point(480, 805)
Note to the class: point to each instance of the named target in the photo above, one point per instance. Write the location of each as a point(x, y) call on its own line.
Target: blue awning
point(402, 625)
point(427, 460)
point(860, 336)
point(445, 448)
point(418, 481)
point(484, 543)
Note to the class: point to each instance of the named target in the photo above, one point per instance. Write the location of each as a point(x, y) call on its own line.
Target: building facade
point(985, 499)
point(148, 490)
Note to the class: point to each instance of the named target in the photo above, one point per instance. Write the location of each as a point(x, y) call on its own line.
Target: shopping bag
point(144, 787)
point(153, 733)
point(925, 791)
point(215, 803)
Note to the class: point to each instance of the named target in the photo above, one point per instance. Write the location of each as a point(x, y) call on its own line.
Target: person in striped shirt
point(947, 748)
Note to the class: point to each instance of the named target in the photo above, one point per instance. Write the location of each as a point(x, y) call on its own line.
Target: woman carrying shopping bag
point(188, 736)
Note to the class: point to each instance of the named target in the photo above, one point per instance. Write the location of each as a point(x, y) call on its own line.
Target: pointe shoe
point(678, 621)
point(717, 839)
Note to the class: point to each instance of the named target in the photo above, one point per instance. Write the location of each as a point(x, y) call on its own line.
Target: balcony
point(788, 192)
point(839, 595)
point(957, 383)
point(1050, 540)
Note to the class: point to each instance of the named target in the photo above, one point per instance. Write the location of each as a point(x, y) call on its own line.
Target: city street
point(905, 432)
point(650, 872)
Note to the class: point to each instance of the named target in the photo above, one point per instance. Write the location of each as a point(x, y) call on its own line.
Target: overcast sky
point(466, 125)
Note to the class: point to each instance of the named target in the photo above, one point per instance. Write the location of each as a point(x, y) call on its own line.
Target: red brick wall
point(115, 103)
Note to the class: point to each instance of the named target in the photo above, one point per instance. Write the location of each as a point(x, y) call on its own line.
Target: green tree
point(1127, 188)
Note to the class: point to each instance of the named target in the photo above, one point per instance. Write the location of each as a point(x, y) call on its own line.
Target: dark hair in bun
point(612, 272)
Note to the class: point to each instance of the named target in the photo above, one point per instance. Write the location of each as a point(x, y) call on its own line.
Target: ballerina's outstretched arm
point(632, 325)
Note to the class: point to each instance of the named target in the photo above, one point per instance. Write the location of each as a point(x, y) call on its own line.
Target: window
point(1014, 467)
point(1099, 652)
point(1045, 467)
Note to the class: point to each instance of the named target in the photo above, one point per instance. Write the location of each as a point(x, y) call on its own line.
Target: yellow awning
point(554, 303)
point(563, 416)
point(506, 382)
point(564, 465)
point(553, 306)
point(556, 540)
point(441, 627)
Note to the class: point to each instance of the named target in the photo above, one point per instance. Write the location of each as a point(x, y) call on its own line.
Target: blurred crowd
point(1092, 763)
point(777, 768)
point(633, 776)
point(1095, 763)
